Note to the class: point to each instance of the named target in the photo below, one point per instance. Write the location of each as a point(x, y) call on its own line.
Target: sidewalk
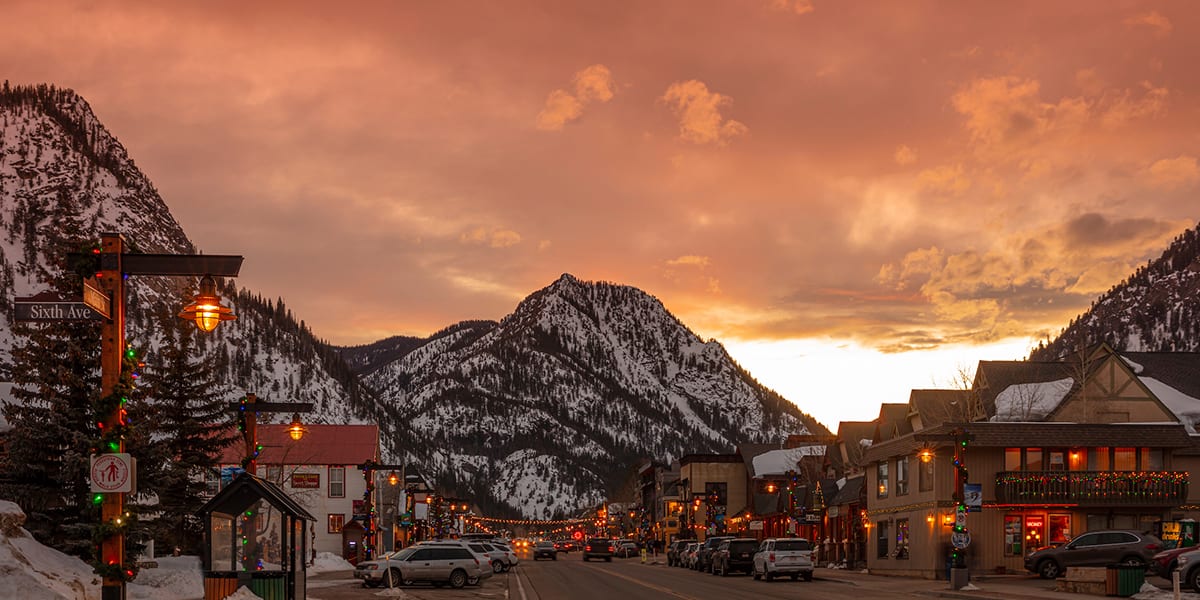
point(987, 587)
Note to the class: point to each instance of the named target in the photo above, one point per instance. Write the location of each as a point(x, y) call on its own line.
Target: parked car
point(497, 559)
point(545, 550)
point(689, 555)
point(1189, 570)
point(626, 548)
point(434, 563)
point(1095, 549)
point(479, 552)
point(1164, 562)
point(783, 556)
point(735, 555)
point(704, 554)
point(598, 548)
point(510, 557)
point(674, 552)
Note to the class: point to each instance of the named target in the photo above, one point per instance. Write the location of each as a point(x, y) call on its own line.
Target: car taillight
point(587, 548)
point(1152, 547)
point(610, 549)
point(771, 557)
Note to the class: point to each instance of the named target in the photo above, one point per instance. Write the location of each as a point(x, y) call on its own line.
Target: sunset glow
point(862, 196)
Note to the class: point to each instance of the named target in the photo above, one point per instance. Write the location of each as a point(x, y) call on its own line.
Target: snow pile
point(175, 577)
point(778, 462)
point(1149, 592)
point(1031, 401)
point(31, 571)
point(1185, 407)
point(328, 561)
point(243, 593)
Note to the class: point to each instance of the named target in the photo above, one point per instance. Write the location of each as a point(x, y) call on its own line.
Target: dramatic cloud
point(1159, 24)
point(1172, 173)
point(592, 84)
point(699, 112)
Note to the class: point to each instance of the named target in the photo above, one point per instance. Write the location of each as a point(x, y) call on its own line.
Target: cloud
point(1173, 173)
point(1161, 25)
point(799, 7)
point(905, 155)
point(699, 112)
point(496, 238)
point(944, 179)
point(592, 84)
point(689, 261)
point(1008, 109)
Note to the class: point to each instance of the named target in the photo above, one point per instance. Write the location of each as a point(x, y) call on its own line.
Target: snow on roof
point(1185, 407)
point(1137, 368)
point(1031, 401)
point(778, 462)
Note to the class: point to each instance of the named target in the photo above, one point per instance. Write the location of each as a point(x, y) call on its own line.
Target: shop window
point(881, 475)
point(882, 539)
point(1098, 459)
point(1035, 531)
point(1012, 459)
point(1059, 529)
point(336, 521)
point(901, 539)
point(1125, 459)
point(901, 476)
point(1013, 542)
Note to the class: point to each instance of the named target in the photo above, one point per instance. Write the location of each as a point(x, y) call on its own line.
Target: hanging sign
point(48, 307)
point(112, 473)
point(973, 496)
point(96, 298)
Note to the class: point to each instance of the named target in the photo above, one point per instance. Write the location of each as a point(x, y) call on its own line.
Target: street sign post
point(96, 298)
point(112, 473)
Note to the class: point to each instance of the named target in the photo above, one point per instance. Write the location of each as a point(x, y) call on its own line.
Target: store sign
point(756, 525)
point(306, 480)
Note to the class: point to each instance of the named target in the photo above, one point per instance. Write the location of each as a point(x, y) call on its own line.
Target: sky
point(856, 198)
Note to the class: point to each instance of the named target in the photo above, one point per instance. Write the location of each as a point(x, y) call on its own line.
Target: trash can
point(1123, 580)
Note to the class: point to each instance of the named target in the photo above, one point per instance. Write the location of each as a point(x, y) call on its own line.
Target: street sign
point(960, 539)
point(960, 519)
point(46, 306)
point(96, 298)
point(112, 473)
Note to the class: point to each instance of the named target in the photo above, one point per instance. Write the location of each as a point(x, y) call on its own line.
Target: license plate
point(744, 555)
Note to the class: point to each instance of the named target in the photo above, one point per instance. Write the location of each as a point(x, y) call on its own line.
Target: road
point(570, 578)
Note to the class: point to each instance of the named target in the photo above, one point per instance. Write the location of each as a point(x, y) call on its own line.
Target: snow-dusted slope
point(558, 400)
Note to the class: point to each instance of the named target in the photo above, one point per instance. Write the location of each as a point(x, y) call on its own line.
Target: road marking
point(520, 586)
point(657, 588)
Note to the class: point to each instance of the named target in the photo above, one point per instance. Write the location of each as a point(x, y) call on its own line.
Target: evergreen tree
point(192, 423)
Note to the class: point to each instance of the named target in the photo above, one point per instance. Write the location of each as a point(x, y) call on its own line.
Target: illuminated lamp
point(296, 429)
point(926, 455)
point(771, 487)
point(393, 478)
point(206, 310)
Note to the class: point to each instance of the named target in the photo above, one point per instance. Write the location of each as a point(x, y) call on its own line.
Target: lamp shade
point(296, 428)
point(206, 310)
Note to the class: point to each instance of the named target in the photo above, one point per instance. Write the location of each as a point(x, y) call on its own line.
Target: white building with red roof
point(320, 472)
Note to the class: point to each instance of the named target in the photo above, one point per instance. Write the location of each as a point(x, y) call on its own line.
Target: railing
point(1092, 488)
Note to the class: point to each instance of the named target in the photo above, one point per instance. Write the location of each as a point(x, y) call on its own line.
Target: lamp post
point(247, 410)
point(113, 268)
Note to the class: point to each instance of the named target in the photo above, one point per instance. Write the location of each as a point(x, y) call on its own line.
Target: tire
point(555, 557)
point(585, 558)
point(607, 559)
point(458, 578)
point(768, 576)
point(755, 575)
point(392, 578)
point(506, 567)
point(1049, 569)
point(795, 576)
point(472, 581)
point(1192, 579)
point(497, 567)
point(808, 576)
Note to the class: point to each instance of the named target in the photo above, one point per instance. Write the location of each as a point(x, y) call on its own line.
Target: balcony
point(1092, 488)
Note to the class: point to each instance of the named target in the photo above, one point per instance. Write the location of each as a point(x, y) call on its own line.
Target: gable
point(1112, 393)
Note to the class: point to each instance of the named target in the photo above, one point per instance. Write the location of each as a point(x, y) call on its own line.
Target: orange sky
point(893, 178)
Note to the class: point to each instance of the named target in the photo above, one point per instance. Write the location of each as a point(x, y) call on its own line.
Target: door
point(419, 566)
point(1084, 551)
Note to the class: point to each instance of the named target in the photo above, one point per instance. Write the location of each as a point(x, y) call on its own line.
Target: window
point(336, 521)
point(1087, 539)
point(1035, 531)
point(881, 473)
point(881, 539)
point(1125, 459)
point(212, 482)
point(1033, 459)
point(421, 555)
point(901, 538)
point(902, 476)
point(275, 474)
point(925, 475)
point(1151, 460)
point(1058, 460)
point(1012, 535)
point(719, 489)
point(1012, 459)
point(1098, 459)
point(337, 482)
point(1060, 529)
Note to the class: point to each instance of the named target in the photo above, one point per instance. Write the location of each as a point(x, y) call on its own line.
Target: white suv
point(439, 564)
point(784, 556)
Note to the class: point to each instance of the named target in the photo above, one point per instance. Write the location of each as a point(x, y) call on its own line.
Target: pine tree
point(192, 424)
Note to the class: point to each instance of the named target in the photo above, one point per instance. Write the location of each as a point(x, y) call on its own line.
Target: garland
point(241, 425)
point(110, 440)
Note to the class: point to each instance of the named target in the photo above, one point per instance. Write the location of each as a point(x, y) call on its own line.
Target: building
point(1039, 452)
point(320, 473)
point(713, 486)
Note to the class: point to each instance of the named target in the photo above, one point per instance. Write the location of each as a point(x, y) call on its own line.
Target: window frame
point(340, 481)
point(882, 485)
point(329, 520)
point(902, 476)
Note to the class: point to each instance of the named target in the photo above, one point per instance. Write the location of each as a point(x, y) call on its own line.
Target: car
point(674, 550)
point(448, 564)
point(626, 548)
point(510, 557)
point(479, 551)
point(566, 546)
point(783, 556)
point(735, 555)
point(1189, 569)
point(545, 550)
point(688, 555)
point(1164, 562)
point(496, 558)
point(704, 553)
point(598, 548)
point(1095, 549)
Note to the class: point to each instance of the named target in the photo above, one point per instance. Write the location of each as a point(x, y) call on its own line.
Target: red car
point(1164, 562)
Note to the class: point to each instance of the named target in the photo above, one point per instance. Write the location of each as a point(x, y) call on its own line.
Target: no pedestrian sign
point(112, 473)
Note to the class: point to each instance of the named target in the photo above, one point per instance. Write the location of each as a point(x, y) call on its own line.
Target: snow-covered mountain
point(63, 175)
point(540, 414)
point(545, 410)
point(1157, 309)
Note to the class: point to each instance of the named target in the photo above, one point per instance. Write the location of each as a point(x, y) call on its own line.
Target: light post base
point(959, 578)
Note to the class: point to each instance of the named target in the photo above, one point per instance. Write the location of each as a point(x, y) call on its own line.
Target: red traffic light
point(577, 535)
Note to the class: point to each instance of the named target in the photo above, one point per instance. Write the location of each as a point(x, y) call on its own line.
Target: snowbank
point(328, 561)
point(31, 571)
point(176, 577)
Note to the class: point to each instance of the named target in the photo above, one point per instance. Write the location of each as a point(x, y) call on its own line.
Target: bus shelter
point(257, 537)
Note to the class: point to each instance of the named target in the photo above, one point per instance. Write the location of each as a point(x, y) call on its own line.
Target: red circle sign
point(109, 473)
point(577, 535)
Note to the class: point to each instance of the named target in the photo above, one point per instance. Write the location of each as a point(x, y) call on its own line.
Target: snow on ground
point(31, 571)
point(176, 577)
point(328, 561)
point(1149, 592)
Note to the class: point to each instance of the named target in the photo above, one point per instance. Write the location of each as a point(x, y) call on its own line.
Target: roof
point(851, 434)
point(1180, 370)
point(995, 376)
point(709, 458)
point(937, 406)
point(749, 451)
point(850, 492)
point(246, 490)
point(321, 445)
point(892, 421)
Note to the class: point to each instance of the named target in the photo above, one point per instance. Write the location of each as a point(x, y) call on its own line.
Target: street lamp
point(206, 310)
point(296, 429)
